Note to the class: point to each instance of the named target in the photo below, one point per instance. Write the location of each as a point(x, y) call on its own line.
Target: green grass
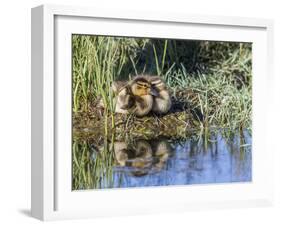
point(221, 103)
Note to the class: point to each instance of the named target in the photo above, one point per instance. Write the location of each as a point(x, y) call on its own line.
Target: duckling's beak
point(153, 92)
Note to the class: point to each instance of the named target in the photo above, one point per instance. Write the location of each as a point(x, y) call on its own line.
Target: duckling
point(123, 98)
point(143, 94)
point(162, 101)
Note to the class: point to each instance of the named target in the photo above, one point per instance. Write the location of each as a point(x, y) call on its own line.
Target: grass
point(220, 102)
point(224, 89)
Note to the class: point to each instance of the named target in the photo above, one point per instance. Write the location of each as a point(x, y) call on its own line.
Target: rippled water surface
point(220, 158)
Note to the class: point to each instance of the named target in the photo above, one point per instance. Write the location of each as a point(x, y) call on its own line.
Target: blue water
point(220, 159)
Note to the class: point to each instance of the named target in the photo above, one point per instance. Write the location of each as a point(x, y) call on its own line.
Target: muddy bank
point(182, 119)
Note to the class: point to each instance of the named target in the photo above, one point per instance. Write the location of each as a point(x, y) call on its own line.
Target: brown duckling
point(142, 93)
point(122, 97)
point(162, 100)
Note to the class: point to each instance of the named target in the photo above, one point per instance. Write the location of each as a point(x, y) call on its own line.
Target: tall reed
point(97, 61)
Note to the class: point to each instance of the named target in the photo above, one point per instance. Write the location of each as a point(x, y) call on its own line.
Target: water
point(220, 158)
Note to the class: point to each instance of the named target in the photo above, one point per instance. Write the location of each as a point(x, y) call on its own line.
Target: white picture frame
point(52, 197)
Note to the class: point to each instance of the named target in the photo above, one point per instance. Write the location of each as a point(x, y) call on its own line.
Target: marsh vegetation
point(210, 84)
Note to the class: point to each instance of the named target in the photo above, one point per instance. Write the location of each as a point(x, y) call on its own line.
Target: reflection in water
point(220, 158)
point(142, 157)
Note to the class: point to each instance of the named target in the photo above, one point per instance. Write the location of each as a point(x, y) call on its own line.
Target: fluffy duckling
point(123, 97)
point(143, 94)
point(162, 100)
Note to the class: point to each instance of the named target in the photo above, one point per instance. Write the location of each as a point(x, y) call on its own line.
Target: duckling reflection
point(136, 156)
point(142, 157)
point(163, 151)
